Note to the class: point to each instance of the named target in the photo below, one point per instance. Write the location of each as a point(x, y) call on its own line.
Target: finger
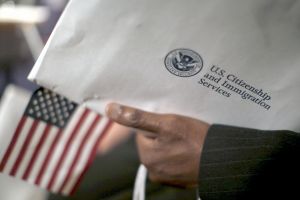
point(133, 117)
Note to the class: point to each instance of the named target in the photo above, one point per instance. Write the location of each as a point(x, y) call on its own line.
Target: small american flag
point(54, 143)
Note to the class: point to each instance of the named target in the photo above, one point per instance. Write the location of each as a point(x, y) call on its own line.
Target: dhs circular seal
point(183, 62)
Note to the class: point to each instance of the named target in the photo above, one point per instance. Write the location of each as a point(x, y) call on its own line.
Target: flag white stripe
point(85, 156)
point(63, 171)
point(60, 147)
point(9, 136)
point(30, 150)
point(17, 147)
point(42, 154)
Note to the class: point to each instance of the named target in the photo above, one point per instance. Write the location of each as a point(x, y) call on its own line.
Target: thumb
point(132, 117)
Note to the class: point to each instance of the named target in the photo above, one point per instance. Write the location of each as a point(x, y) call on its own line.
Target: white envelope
point(13, 103)
point(232, 62)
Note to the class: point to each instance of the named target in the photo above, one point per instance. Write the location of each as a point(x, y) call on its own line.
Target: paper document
point(231, 62)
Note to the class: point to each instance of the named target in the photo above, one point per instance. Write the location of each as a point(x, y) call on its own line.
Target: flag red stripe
point(24, 148)
point(79, 151)
point(67, 147)
point(48, 157)
point(36, 152)
point(12, 143)
point(91, 157)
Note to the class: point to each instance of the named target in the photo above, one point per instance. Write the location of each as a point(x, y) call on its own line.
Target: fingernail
point(114, 110)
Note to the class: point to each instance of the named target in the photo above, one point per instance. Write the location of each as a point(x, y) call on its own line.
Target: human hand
point(169, 145)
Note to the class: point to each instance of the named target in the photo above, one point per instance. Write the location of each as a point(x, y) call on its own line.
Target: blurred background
point(25, 26)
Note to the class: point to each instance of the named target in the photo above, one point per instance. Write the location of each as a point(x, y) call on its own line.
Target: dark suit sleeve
point(239, 163)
